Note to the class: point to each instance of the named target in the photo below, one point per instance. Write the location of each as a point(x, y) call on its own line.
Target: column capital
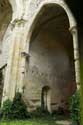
point(73, 29)
point(18, 8)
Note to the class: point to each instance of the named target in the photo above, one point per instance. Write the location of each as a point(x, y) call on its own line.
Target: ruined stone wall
point(18, 39)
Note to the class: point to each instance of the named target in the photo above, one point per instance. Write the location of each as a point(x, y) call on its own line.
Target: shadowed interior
point(51, 61)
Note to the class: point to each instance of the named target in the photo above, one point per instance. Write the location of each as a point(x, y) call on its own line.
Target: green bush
point(75, 107)
point(38, 113)
point(15, 110)
point(5, 111)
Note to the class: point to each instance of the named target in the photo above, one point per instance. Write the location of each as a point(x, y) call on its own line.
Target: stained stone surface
point(49, 62)
point(36, 45)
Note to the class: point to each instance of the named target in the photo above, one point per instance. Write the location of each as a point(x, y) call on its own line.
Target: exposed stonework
point(37, 48)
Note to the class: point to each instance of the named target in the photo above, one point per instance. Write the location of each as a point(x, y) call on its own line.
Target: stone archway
point(51, 57)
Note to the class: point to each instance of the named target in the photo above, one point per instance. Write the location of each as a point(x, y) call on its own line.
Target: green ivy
point(75, 107)
point(14, 110)
point(38, 113)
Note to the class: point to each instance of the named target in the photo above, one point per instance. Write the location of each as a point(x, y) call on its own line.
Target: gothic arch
point(39, 20)
point(42, 6)
point(72, 29)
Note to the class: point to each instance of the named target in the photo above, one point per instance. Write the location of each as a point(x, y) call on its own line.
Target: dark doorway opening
point(46, 99)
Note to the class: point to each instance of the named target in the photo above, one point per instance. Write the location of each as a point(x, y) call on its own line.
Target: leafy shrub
point(1, 114)
point(16, 109)
point(5, 111)
point(40, 113)
point(75, 107)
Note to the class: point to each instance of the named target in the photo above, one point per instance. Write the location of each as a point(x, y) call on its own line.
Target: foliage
point(75, 107)
point(18, 110)
point(38, 113)
point(5, 111)
point(34, 121)
point(14, 110)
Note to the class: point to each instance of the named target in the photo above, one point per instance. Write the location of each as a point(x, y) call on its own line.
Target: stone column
point(16, 62)
point(15, 72)
point(76, 54)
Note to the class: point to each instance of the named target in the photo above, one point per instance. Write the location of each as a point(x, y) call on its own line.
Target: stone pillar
point(15, 72)
point(76, 54)
point(16, 62)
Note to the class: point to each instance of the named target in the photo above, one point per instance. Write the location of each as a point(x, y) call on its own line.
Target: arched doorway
point(46, 99)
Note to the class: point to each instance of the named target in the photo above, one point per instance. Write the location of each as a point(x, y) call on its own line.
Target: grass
point(47, 120)
point(38, 121)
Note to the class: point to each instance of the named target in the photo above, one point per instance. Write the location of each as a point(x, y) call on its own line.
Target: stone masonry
point(38, 52)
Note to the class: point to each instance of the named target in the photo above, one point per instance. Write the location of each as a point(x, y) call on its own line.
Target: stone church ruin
point(38, 52)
